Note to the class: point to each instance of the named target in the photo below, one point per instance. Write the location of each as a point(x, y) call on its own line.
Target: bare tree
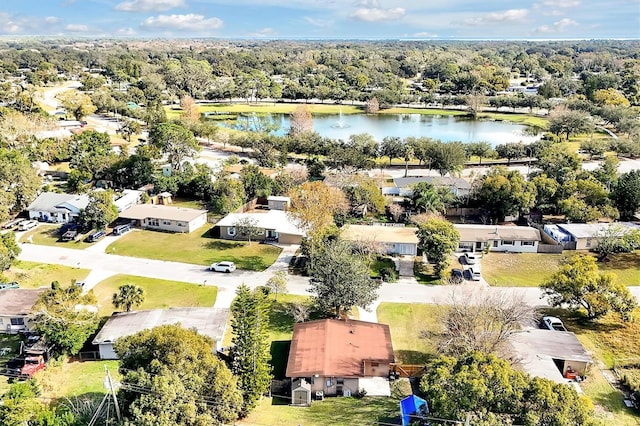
point(367, 248)
point(481, 320)
point(278, 283)
point(301, 121)
point(395, 210)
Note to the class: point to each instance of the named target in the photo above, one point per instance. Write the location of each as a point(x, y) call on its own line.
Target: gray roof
point(207, 321)
point(590, 230)
point(54, 202)
point(554, 344)
point(458, 183)
point(497, 232)
point(18, 301)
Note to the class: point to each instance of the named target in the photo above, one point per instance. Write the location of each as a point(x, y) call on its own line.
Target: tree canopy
point(505, 192)
point(438, 239)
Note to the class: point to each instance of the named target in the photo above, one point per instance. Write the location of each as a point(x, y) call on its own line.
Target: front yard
point(34, 275)
point(197, 247)
point(159, 294)
point(47, 235)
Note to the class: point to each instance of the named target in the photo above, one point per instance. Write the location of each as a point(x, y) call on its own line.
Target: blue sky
point(426, 19)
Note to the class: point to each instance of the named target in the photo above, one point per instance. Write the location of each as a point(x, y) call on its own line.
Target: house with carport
point(396, 240)
point(165, 218)
point(498, 238)
point(209, 322)
point(58, 208)
point(332, 357)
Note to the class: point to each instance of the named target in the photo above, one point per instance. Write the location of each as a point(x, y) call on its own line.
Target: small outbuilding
point(278, 203)
point(300, 393)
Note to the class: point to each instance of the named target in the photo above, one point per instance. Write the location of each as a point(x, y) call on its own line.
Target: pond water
point(446, 128)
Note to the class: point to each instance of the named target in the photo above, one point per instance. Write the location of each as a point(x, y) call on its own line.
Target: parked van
point(121, 229)
point(12, 223)
point(26, 225)
point(475, 273)
point(92, 238)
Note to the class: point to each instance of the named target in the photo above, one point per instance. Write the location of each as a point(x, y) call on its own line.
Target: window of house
point(231, 231)
point(153, 222)
point(495, 243)
point(180, 223)
point(375, 364)
point(17, 321)
point(528, 243)
point(166, 222)
point(340, 381)
point(507, 243)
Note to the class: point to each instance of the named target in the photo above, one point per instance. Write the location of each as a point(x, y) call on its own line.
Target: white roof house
point(206, 321)
point(54, 207)
point(585, 235)
point(165, 218)
point(500, 238)
point(276, 225)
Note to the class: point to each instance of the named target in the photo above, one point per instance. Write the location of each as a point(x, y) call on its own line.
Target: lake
point(446, 128)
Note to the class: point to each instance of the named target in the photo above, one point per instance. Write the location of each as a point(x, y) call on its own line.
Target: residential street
point(103, 265)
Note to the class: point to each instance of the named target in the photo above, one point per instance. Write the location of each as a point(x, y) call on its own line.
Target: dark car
point(70, 235)
point(457, 276)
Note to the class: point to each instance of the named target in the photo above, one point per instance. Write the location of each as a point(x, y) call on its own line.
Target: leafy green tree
point(174, 140)
point(21, 407)
point(133, 172)
point(580, 285)
point(277, 284)
point(480, 150)
point(546, 189)
point(626, 194)
point(184, 381)
point(425, 197)
point(557, 162)
point(91, 153)
point(129, 128)
point(250, 350)
point(128, 296)
point(448, 157)
point(341, 279)
point(364, 191)
point(19, 182)
point(505, 192)
point(228, 194)
point(57, 317)
point(392, 147)
point(438, 239)
point(9, 250)
point(487, 390)
point(569, 122)
point(256, 183)
point(100, 211)
point(78, 104)
point(511, 151)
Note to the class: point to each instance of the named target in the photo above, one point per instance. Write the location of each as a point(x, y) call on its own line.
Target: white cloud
point(424, 34)
point(265, 32)
point(149, 5)
point(564, 4)
point(322, 23)
point(190, 22)
point(126, 32)
point(375, 14)
point(51, 19)
point(77, 28)
point(512, 15)
point(558, 26)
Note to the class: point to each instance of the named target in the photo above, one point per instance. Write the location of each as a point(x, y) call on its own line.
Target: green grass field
point(34, 275)
point(69, 379)
point(196, 247)
point(159, 294)
point(269, 108)
point(47, 235)
point(407, 321)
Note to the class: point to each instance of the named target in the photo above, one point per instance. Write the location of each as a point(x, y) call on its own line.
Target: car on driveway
point(223, 267)
point(552, 323)
point(96, 236)
point(471, 258)
point(27, 224)
point(457, 276)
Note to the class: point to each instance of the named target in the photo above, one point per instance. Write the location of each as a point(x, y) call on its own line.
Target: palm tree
point(426, 197)
point(128, 296)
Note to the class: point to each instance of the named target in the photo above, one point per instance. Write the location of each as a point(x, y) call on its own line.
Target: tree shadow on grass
point(224, 245)
point(279, 356)
point(413, 357)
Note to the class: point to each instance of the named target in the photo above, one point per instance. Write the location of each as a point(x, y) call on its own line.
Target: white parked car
point(552, 323)
point(472, 258)
point(28, 224)
point(223, 267)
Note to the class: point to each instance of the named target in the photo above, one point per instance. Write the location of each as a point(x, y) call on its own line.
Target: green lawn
point(526, 119)
point(381, 263)
point(47, 235)
point(519, 269)
point(34, 275)
point(159, 294)
point(423, 111)
point(332, 411)
point(615, 344)
point(68, 379)
point(196, 247)
point(406, 322)
point(270, 108)
point(191, 204)
point(532, 269)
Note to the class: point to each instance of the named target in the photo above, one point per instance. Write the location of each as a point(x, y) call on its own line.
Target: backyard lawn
point(197, 247)
point(68, 379)
point(159, 294)
point(406, 322)
point(532, 269)
point(47, 235)
point(34, 275)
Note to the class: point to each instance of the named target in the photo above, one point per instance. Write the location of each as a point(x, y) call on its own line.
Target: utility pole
point(111, 393)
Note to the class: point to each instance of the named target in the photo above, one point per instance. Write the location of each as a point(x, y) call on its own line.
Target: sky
point(323, 19)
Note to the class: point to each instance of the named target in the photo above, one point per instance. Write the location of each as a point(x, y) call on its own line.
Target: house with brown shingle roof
point(341, 357)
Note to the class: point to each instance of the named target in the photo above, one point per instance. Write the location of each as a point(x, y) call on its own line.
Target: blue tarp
point(411, 406)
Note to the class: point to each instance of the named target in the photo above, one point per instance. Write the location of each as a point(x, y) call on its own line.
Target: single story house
point(499, 238)
point(273, 225)
point(396, 239)
point(15, 307)
point(339, 357)
point(206, 321)
point(403, 186)
point(555, 355)
point(584, 236)
point(165, 218)
point(128, 198)
point(54, 207)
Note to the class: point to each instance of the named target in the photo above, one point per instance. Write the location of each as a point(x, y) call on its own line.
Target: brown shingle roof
point(382, 234)
point(497, 232)
point(18, 301)
point(337, 348)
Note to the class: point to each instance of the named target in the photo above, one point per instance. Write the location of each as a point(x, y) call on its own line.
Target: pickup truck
point(25, 367)
point(69, 235)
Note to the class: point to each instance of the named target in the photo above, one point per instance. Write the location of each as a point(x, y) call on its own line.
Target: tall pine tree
point(250, 351)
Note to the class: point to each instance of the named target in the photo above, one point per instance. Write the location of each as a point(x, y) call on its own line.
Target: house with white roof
point(54, 207)
point(498, 238)
point(273, 225)
point(584, 236)
point(165, 218)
